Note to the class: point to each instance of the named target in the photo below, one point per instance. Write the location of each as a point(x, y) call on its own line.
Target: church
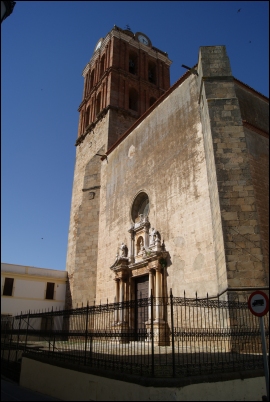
point(171, 183)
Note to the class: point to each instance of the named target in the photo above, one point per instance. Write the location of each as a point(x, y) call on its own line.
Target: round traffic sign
point(258, 303)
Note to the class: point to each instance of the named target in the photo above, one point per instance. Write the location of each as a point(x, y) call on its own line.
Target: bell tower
point(124, 77)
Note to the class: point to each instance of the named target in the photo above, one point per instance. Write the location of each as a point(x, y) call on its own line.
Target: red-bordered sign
point(258, 303)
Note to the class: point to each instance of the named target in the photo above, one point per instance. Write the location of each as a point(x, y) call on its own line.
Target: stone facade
point(190, 166)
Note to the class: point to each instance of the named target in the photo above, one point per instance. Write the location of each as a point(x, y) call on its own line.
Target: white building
point(29, 288)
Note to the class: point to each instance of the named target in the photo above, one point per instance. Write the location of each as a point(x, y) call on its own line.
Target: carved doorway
point(141, 311)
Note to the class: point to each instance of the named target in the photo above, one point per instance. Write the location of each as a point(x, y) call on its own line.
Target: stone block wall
point(258, 149)
point(204, 171)
point(244, 266)
point(84, 217)
point(163, 156)
point(254, 107)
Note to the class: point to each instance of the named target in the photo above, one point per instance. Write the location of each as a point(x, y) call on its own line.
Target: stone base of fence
point(161, 333)
point(58, 382)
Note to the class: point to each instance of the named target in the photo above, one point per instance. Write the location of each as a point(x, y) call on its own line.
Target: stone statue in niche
point(121, 257)
point(154, 235)
point(124, 250)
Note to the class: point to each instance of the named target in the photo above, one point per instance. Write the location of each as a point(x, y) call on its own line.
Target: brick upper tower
point(126, 75)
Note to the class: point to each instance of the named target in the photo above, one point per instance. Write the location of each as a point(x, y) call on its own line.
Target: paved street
point(11, 391)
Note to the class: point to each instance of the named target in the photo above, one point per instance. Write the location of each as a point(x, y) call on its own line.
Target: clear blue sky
point(45, 46)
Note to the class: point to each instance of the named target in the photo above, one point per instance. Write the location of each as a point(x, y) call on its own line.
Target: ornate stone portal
point(147, 256)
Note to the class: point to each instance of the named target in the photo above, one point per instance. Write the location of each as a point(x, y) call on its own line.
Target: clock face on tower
point(143, 39)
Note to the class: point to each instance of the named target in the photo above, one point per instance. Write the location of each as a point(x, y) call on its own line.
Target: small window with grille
point(50, 290)
point(8, 287)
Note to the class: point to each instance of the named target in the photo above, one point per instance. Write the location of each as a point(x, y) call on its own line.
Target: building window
point(82, 121)
point(92, 79)
point(140, 207)
point(133, 99)
point(98, 104)
point(102, 65)
point(152, 73)
point(50, 291)
point(8, 287)
point(132, 64)
point(87, 115)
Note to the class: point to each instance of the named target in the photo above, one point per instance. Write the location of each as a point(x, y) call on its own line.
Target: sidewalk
point(11, 391)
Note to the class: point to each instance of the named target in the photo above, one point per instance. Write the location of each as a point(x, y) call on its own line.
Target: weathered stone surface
point(202, 169)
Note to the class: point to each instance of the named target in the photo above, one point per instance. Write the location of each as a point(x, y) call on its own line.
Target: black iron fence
point(151, 337)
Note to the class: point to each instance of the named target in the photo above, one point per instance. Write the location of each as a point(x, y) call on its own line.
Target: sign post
point(258, 304)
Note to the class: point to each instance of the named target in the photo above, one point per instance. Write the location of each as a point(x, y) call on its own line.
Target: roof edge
point(148, 111)
point(250, 89)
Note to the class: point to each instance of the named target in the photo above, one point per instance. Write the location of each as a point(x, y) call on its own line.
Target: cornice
point(32, 277)
point(91, 126)
point(117, 33)
point(256, 129)
point(250, 89)
point(100, 115)
point(96, 54)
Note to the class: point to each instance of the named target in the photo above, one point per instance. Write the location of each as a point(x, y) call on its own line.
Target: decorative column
point(146, 232)
point(131, 253)
point(151, 288)
point(123, 321)
point(116, 313)
point(122, 299)
point(159, 315)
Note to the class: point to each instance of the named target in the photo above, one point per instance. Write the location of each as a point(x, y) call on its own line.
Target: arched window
point(152, 101)
point(140, 207)
point(133, 99)
point(98, 103)
point(87, 115)
point(132, 63)
point(87, 82)
point(92, 79)
point(152, 73)
point(82, 122)
point(102, 65)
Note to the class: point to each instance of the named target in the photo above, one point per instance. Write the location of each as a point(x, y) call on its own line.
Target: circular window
point(140, 207)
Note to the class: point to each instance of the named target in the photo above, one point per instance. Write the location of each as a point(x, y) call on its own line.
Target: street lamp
point(6, 8)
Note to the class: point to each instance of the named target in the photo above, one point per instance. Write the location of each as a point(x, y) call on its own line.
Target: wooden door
point(141, 316)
